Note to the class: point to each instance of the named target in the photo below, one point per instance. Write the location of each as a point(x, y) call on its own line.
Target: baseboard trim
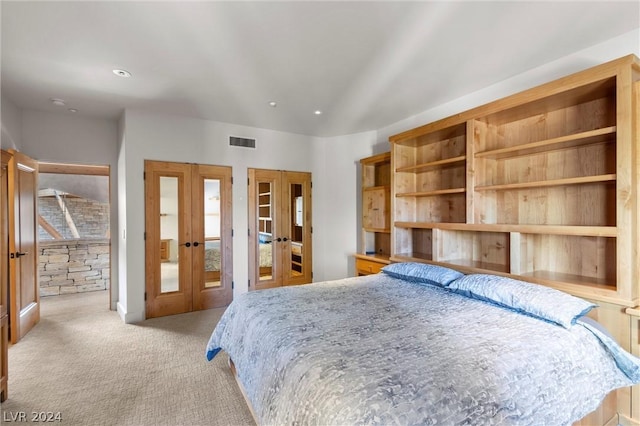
point(129, 317)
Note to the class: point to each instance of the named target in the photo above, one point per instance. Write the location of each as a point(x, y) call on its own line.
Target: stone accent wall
point(91, 218)
point(73, 266)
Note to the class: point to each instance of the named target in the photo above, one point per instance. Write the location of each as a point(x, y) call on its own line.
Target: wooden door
point(24, 304)
point(4, 275)
point(265, 266)
point(188, 237)
point(279, 228)
point(211, 228)
point(167, 217)
point(296, 228)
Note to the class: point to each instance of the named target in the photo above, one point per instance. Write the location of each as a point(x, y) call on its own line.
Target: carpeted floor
point(83, 362)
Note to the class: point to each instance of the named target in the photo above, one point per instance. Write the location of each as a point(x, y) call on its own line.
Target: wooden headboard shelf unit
point(540, 186)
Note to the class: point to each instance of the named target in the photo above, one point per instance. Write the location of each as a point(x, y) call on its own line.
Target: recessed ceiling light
point(73, 110)
point(317, 112)
point(273, 104)
point(122, 73)
point(57, 101)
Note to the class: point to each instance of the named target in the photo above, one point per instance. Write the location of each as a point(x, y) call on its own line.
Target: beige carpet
point(82, 361)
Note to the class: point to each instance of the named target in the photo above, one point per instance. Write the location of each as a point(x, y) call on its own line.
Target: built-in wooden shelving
point(540, 186)
point(375, 247)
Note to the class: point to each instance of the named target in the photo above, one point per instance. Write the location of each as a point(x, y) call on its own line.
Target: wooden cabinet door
point(375, 214)
point(189, 211)
point(24, 304)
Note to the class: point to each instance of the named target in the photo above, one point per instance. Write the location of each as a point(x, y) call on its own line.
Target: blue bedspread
point(381, 350)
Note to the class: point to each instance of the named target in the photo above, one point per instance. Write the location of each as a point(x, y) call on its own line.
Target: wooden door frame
point(86, 170)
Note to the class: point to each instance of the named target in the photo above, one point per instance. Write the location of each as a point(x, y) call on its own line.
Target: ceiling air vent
point(247, 143)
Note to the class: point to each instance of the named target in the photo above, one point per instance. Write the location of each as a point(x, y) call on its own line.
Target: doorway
point(280, 228)
point(74, 236)
point(188, 237)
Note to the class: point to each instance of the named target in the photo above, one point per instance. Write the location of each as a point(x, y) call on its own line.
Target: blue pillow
point(422, 273)
point(527, 298)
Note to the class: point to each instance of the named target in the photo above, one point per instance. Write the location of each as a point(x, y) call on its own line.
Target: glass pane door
point(167, 238)
point(212, 236)
point(279, 228)
point(265, 241)
point(296, 220)
point(169, 228)
point(189, 242)
point(265, 231)
point(212, 240)
point(296, 231)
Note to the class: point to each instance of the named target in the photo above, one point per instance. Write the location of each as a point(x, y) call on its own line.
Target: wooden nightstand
point(367, 265)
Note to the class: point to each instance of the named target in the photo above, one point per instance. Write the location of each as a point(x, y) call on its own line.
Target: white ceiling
point(364, 64)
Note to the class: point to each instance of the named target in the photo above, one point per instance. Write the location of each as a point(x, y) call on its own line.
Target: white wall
point(172, 138)
point(11, 119)
point(66, 138)
point(121, 211)
point(69, 138)
point(336, 201)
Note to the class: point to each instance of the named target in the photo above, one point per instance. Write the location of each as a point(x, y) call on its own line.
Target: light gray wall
point(11, 119)
point(67, 138)
point(333, 163)
point(121, 209)
point(172, 138)
point(336, 201)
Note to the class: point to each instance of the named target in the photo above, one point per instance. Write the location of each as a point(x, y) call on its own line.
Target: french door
point(279, 228)
point(188, 237)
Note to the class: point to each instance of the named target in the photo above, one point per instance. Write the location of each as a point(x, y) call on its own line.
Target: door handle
point(195, 244)
point(186, 244)
point(18, 254)
point(285, 239)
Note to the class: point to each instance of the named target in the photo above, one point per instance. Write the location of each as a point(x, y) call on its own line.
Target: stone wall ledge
point(73, 265)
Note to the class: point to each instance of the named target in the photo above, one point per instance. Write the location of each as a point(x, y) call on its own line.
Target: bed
point(420, 344)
